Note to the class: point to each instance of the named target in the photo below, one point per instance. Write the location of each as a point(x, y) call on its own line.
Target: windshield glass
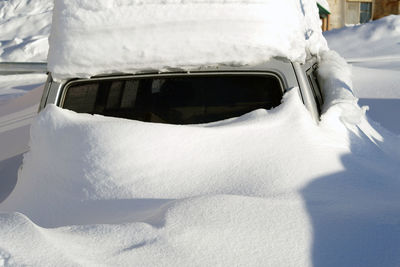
point(180, 99)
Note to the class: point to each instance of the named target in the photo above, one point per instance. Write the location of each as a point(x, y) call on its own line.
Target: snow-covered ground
point(373, 49)
point(236, 193)
point(25, 27)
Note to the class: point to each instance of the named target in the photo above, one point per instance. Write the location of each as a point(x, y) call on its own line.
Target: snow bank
point(375, 66)
point(379, 38)
point(24, 30)
point(94, 37)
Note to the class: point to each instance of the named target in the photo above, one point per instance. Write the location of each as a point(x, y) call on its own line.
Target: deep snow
point(25, 26)
point(372, 33)
point(219, 194)
point(374, 53)
point(164, 34)
point(240, 192)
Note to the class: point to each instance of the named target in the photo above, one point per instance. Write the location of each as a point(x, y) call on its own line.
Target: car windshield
point(176, 99)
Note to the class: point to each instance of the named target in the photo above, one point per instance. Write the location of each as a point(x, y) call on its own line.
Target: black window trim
point(70, 83)
point(315, 87)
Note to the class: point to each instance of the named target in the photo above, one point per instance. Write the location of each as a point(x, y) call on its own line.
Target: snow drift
point(375, 66)
point(107, 158)
point(217, 194)
point(267, 183)
point(24, 30)
point(372, 35)
point(270, 188)
point(96, 37)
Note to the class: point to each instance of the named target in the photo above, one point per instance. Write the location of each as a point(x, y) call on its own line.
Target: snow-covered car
point(188, 97)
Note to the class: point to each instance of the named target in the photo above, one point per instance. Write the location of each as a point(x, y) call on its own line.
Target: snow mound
point(95, 37)
point(380, 38)
point(244, 191)
point(24, 29)
point(247, 191)
point(102, 158)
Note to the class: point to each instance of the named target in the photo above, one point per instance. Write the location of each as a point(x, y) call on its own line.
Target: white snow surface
point(95, 190)
point(24, 30)
point(270, 188)
point(371, 35)
point(96, 37)
point(373, 50)
point(13, 86)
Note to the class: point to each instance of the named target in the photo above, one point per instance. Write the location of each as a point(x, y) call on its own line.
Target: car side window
point(316, 89)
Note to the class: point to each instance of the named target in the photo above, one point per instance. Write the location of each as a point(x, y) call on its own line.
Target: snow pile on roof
point(380, 39)
point(24, 30)
point(94, 37)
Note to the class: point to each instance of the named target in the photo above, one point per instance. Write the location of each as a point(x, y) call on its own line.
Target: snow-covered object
point(340, 103)
point(296, 194)
point(245, 191)
point(373, 50)
point(103, 158)
point(24, 30)
point(94, 37)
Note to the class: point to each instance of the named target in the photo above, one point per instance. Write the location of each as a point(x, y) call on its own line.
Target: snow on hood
point(95, 37)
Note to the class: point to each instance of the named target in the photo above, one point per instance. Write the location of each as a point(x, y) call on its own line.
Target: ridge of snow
point(371, 34)
point(24, 30)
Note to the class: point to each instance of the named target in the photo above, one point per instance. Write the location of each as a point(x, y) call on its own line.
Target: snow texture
point(13, 86)
point(96, 37)
point(371, 34)
point(226, 193)
point(375, 66)
point(270, 188)
point(24, 30)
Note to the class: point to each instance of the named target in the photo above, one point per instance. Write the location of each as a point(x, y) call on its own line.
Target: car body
point(199, 95)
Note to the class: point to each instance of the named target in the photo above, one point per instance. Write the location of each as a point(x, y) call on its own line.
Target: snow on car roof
point(97, 37)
